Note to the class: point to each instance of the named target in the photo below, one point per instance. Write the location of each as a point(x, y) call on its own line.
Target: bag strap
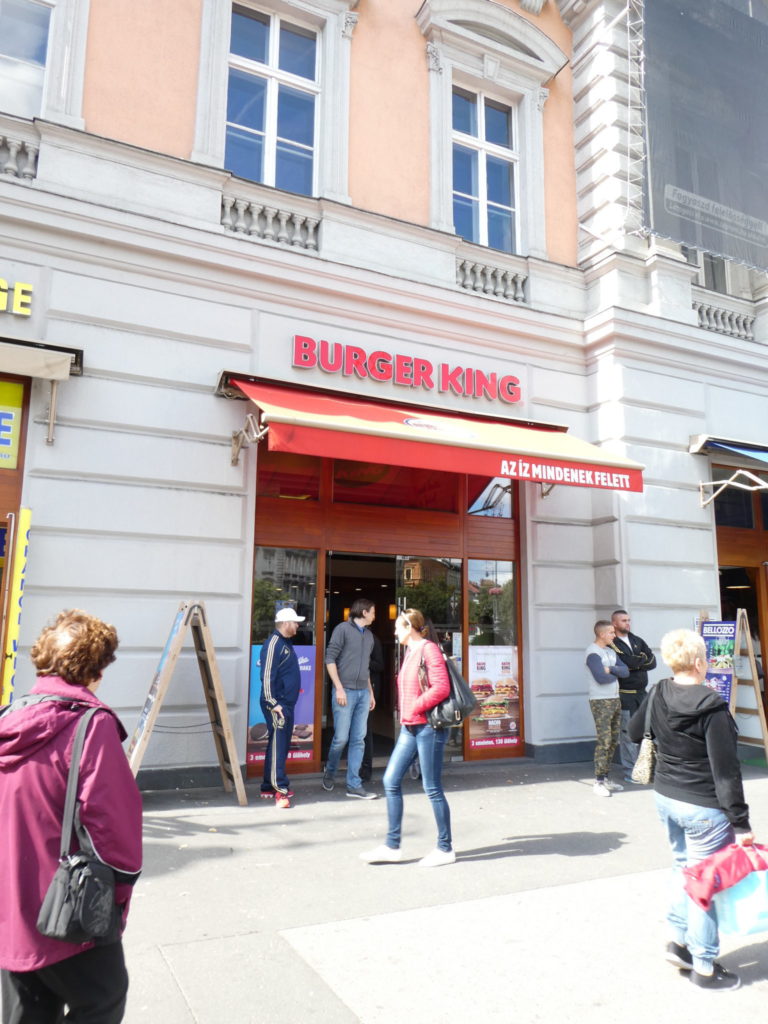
point(647, 726)
point(68, 818)
point(37, 698)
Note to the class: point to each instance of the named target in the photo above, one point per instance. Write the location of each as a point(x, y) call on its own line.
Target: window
point(271, 101)
point(24, 29)
point(371, 483)
point(483, 171)
point(489, 66)
point(733, 507)
point(273, 93)
point(491, 498)
point(285, 475)
point(712, 269)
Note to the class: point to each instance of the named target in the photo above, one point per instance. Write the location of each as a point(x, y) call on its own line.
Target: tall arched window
point(489, 67)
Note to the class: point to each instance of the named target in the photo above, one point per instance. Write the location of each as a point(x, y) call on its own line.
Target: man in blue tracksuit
point(280, 685)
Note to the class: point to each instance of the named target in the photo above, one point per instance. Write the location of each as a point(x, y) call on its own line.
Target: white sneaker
point(600, 788)
point(382, 855)
point(614, 786)
point(437, 858)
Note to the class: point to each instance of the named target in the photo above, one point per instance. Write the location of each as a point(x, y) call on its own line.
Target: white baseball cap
point(288, 615)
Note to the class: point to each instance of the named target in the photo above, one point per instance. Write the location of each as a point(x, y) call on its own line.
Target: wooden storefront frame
point(324, 526)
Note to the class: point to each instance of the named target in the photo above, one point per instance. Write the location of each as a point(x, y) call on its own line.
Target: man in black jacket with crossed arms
point(639, 659)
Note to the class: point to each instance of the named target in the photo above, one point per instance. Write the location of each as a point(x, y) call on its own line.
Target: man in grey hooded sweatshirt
point(347, 659)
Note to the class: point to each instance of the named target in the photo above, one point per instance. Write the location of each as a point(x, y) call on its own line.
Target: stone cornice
point(572, 9)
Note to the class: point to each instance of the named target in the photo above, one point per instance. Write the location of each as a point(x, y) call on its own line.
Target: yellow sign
point(14, 605)
point(11, 402)
point(15, 297)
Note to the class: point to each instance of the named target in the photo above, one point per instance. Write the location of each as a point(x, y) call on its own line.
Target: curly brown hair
point(77, 647)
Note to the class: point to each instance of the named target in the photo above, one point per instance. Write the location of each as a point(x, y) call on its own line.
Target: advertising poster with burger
point(303, 719)
point(493, 679)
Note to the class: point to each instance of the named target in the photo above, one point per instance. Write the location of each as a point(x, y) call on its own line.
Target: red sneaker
point(282, 800)
point(269, 794)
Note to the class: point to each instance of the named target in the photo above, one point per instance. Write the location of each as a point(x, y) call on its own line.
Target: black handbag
point(79, 905)
point(458, 705)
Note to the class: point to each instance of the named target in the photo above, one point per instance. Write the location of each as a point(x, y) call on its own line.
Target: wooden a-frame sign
point(191, 616)
point(740, 687)
point(742, 647)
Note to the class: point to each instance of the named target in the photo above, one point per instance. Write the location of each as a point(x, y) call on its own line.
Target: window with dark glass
point(373, 483)
point(285, 475)
point(733, 506)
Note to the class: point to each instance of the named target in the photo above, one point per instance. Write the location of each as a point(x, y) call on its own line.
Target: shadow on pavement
point(750, 962)
point(568, 844)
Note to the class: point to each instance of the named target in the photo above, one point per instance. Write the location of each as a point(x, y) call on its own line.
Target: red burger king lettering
point(405, 371)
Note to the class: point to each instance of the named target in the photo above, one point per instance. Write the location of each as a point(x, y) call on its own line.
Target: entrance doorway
point(393, 583)
point(357, 528)
point(746, 587)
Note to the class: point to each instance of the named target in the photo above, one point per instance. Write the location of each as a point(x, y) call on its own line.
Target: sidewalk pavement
point(553, 912)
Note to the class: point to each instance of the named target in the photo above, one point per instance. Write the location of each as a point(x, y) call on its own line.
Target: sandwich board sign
point(732, 672)
point(746, 695)
point(191, 617)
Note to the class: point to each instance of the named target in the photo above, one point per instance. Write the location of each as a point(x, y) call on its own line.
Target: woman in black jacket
point(699, 795)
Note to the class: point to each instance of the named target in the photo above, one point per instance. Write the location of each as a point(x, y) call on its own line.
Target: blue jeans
point(694, 833)
point(350, 723)
point(429, 743)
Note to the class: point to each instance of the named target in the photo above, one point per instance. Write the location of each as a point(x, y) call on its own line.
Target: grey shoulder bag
point(79, 905)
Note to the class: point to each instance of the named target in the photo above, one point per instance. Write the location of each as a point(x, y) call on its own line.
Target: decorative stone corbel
point(350, 22)
point(434, 58)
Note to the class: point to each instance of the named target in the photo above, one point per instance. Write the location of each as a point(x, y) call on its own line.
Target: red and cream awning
point(315, 423)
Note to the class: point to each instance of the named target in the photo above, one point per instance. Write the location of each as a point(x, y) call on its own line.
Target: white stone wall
point(136, 506)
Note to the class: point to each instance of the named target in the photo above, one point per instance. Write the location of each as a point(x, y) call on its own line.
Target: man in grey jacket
point(347, 659)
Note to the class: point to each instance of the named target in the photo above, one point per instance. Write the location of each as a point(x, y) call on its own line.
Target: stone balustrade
point(491, 279)
point(253, 218)
point(736, 323)
point(19, 147)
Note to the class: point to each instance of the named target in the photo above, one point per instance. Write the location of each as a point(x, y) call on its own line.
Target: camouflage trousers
point(607, 716)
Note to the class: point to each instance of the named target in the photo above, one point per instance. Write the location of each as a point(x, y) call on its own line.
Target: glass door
point(492, 655)
point(283, 578)
point(433, 586)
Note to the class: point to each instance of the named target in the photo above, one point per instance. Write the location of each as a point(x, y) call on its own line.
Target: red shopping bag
point(722, 870)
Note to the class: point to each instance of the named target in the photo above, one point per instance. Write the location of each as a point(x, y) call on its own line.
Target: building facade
point(425, 206)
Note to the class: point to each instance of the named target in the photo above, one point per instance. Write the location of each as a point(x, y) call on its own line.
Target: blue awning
point(760, 454)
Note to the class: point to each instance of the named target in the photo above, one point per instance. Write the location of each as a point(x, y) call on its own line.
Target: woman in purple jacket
point(40, 976)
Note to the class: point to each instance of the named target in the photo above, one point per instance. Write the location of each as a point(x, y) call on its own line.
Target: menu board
point(493, 679)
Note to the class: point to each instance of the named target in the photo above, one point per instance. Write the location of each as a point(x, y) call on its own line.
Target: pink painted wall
point(389, 112)
point(141, 72)
point(389, 121)
point(559, 161)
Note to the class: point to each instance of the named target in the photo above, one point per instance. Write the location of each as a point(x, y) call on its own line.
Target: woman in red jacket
point(417, 736)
